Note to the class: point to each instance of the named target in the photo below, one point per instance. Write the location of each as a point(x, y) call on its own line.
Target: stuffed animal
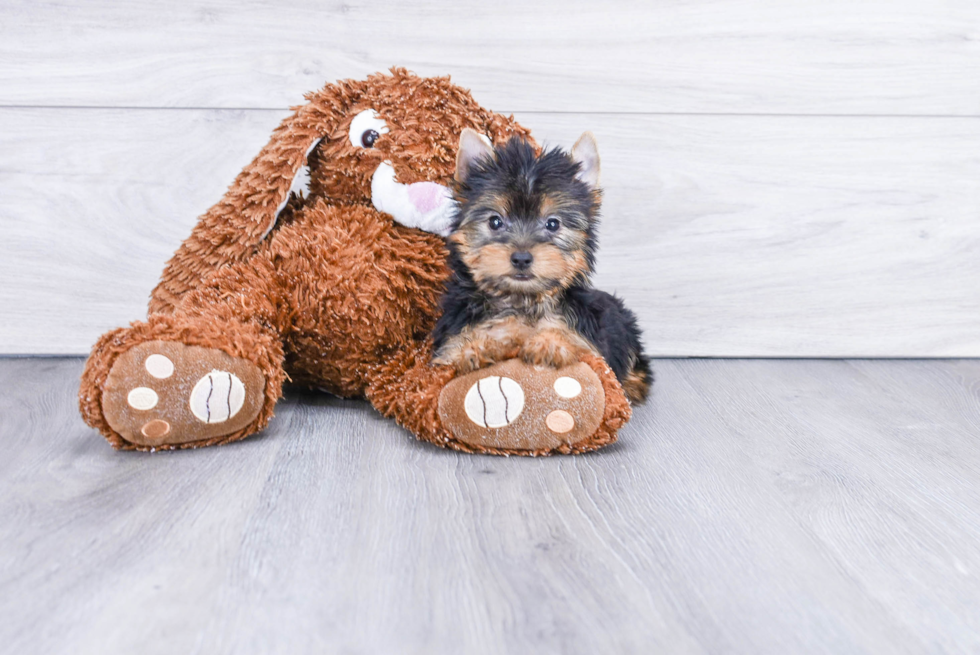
point(333, 281)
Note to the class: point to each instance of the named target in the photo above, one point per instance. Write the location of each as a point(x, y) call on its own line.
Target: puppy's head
point(526, 220)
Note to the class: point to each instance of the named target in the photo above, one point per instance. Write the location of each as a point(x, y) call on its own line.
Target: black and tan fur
point(522, 253)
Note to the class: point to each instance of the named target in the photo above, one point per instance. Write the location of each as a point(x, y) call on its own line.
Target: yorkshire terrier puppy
point(522, 251)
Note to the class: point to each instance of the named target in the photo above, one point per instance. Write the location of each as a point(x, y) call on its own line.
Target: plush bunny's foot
point(162, 393)
point(514, 406)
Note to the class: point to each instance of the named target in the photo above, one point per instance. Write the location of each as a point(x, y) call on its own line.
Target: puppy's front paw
point(472, 358)
point(549, 348)
point(465, 358)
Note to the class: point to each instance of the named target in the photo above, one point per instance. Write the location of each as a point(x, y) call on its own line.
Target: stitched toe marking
point(159, 366)
point(560, 421)
point(567, 387)
point(156, 429)
point(494, 402)
point(142, 398)
point(217, 397)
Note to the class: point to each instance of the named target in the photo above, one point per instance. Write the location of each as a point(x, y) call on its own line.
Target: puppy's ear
point(473, 146)
point(586, 153)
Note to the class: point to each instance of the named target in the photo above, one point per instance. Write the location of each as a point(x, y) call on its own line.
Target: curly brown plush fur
point(332, 293)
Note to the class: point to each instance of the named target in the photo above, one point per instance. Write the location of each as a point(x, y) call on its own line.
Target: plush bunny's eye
point(366, 128)
point(368, 138)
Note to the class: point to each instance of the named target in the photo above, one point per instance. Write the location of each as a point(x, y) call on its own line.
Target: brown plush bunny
point(338, 289)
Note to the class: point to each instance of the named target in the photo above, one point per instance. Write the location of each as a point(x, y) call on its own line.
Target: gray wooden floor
point(755, 506)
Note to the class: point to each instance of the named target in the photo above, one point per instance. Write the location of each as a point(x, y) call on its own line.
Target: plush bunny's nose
point(425, 205)
point(427, 196)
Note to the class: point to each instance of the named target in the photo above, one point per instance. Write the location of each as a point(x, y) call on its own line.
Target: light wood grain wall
point(782, 179)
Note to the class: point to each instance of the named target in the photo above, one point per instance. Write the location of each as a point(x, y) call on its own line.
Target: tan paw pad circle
point(156, 429)
point(142, 398)
point(217, 397)
point(159, 366)
point(494, 402)
point(567, 387)
point(560, 421)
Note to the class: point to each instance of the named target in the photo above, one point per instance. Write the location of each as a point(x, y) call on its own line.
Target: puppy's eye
point(552, 224)
point(496, 222)
point(365, 129)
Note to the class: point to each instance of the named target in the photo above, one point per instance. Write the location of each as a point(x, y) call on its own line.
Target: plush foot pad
point(163, 392)
point(519, 407)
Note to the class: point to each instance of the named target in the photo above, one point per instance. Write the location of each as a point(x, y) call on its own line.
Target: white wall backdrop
point(782, 179)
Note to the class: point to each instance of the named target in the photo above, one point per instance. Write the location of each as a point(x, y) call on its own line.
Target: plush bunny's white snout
point(424, 205)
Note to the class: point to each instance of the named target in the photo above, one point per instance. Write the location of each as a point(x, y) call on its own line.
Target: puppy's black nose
point(521, 260)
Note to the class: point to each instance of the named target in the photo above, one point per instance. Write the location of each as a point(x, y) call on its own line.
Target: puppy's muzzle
point(521, 260)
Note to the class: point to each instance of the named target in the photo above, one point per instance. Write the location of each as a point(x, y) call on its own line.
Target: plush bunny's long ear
point(233, 228)
point(300, 184)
